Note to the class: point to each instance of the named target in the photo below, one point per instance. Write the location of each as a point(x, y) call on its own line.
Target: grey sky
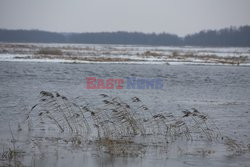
point(174, 16)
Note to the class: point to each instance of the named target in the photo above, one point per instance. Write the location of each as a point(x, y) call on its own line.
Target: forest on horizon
point(227, 37)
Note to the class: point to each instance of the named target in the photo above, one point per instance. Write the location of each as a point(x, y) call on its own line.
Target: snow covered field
point(81, 53)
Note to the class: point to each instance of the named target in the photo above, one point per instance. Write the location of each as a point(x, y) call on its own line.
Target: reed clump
point(11, 157)
point(117, 127)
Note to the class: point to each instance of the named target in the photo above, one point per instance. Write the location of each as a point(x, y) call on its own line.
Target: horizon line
point(157, 33)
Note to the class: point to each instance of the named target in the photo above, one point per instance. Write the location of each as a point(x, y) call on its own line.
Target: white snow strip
point(135, 60)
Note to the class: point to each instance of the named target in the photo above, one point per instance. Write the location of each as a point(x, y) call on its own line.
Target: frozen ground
point(221, 92)
point(76, 53)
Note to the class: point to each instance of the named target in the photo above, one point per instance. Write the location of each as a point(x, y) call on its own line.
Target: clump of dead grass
point(49, 51)
point(121, 147)
point(209, 58)
point(235, 147)
point(148, 54)
point(116, 126)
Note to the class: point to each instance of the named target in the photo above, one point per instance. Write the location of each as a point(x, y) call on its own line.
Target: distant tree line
point(224, 37)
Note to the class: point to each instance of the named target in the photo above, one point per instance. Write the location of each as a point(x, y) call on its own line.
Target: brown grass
point(151, 54)
point(50, 51)
point(205, 58)
point(79, 58)
point(209, 58)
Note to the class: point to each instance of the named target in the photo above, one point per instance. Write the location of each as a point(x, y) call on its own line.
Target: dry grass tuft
point(151, 54)
point(11, 157)
point(235, 147)
point(50, 51)
point(118, 127)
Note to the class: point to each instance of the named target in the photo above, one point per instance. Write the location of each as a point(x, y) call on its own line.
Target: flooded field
point(201, 116)
point(90, 53)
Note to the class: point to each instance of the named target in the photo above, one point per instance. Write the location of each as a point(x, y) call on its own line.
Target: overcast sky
point(173, 16)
